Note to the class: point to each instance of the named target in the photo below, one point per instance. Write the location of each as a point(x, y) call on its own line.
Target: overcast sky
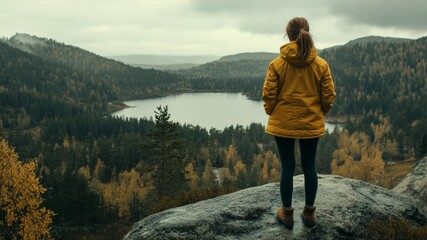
point(206, 27)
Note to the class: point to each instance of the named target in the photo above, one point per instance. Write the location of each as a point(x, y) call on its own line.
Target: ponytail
point(298, 31)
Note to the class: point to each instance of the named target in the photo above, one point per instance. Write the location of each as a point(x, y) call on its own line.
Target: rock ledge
point(344, 207)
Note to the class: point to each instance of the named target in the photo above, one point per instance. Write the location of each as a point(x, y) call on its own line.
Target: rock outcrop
point(415, 183)
point(344, 208)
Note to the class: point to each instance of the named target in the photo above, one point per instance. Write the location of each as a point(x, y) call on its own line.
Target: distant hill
point(246, 65)
point(270, 56)
point(159, 60)
point(171, 63)
point(35, 88)
point(227, 69)
point(249, 56)
point(169, 67)
point(126, 82)
point(242, 73)
point(371, 39)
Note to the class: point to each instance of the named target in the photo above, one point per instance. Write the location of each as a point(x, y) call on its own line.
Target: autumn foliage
point(360, 158)
point(21, 213)
point(395, 228)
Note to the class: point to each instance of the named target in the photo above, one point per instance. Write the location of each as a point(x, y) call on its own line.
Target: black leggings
point(308, 149)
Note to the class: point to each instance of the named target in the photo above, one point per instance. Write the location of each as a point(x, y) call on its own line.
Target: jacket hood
point(289, 52)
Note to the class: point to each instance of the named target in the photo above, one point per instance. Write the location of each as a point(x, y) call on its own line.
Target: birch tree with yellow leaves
point(21, 213)
point(357, 157)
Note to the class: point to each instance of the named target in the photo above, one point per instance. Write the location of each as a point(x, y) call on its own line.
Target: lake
point(208, 110)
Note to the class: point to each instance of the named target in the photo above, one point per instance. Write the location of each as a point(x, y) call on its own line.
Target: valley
point(56, 99)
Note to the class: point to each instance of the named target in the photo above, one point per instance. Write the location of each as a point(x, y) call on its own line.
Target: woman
point(298, 91)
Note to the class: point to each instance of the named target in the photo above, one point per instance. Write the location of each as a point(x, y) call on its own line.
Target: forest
point(96, 169)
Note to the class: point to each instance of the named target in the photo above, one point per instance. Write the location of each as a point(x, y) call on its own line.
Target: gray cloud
point(115, 27)
point(271, 15)
point(405, 15)
point(258, 16)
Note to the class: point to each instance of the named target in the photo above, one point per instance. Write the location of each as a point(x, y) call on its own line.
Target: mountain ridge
point(126, 81)
point(373, 38)
point(176, 62)
point(153, 59)
point(249, 56)
point(368, 39)
point(161, 59)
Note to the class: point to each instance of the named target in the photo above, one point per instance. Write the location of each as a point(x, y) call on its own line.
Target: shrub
point(395, 228)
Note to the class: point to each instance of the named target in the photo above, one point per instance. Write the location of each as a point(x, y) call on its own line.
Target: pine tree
point(167, 158)
point(74, 201)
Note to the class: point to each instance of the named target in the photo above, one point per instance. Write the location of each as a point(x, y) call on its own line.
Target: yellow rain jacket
point(297, 94)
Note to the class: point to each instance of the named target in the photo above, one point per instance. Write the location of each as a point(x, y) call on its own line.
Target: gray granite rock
point(344, 208)
point(415, 183)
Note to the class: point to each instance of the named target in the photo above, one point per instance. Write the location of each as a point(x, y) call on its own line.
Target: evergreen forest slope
point(160, 60)
point(124, 81)
point(371, 39)
point(382, 79)
point(32, 88)
point(239, 74)
point(373, 76)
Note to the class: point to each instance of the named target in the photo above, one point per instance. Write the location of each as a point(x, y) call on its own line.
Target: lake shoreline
point(336, 119)
point(207, 109)
point(120, 105)
point(116, 106)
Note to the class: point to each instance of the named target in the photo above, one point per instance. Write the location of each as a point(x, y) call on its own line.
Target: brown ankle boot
point(286, 217)
point(308, 217)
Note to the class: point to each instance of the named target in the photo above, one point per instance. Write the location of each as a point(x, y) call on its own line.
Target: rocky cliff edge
point(415, 184)
point(344, 208)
